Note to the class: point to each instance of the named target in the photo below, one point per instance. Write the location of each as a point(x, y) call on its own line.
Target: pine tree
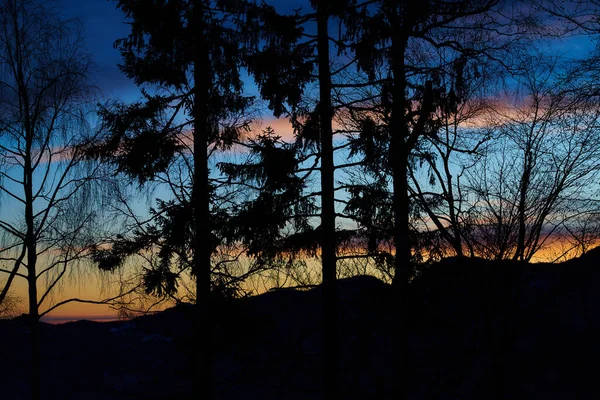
point(188, 52)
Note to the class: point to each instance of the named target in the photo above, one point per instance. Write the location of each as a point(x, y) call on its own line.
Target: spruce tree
point(186, 56)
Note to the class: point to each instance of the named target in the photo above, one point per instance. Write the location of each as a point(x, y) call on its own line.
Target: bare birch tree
point(47, 217)
point(537, 180)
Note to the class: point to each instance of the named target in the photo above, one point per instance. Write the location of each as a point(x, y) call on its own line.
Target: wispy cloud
point(281, 126)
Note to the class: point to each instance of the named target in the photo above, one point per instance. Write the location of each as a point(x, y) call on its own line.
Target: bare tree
point(9, 307)
point(47, 189)
point(443, 160)
point(535, 182)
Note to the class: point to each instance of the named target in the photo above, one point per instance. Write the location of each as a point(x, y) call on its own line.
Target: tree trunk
point(399, 164)
point(203, 382)
point(33, 317)
point(328, 240)
point(455, 225)
point(30, 244)
point(520, 252)
point(400, 202)
point(29, 240)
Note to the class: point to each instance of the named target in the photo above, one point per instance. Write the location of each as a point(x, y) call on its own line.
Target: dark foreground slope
point(528, 331)
point(476, 329)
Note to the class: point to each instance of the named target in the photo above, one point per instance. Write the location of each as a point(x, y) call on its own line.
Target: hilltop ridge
point(473, 326)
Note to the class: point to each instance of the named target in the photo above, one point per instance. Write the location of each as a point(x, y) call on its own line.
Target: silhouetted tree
point(274, 223)
point(415, 86)
point(305, 60)
point(419, 54)
point(9, 307)
point(45, 181)
point(442, 161)
point(579, 19)
point(534, 178)
point(189, 52)
point(328, 231)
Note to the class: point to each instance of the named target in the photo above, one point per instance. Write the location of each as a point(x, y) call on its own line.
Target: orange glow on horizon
point(81, 311)
point(92, 287)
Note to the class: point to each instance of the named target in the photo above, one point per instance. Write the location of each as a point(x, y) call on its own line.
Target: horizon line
point(61, 319)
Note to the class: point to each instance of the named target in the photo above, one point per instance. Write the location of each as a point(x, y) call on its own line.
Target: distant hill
point(476, 327)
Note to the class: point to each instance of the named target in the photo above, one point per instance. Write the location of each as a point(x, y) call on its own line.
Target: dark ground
point(475, 327)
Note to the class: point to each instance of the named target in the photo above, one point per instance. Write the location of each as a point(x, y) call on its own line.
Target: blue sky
point(103, 23)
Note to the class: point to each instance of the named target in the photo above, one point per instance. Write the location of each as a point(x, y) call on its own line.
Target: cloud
point(282, 127)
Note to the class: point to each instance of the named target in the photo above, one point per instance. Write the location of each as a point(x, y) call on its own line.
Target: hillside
point(474, 326)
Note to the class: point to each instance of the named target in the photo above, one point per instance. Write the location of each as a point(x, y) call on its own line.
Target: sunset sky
point(103, 24)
